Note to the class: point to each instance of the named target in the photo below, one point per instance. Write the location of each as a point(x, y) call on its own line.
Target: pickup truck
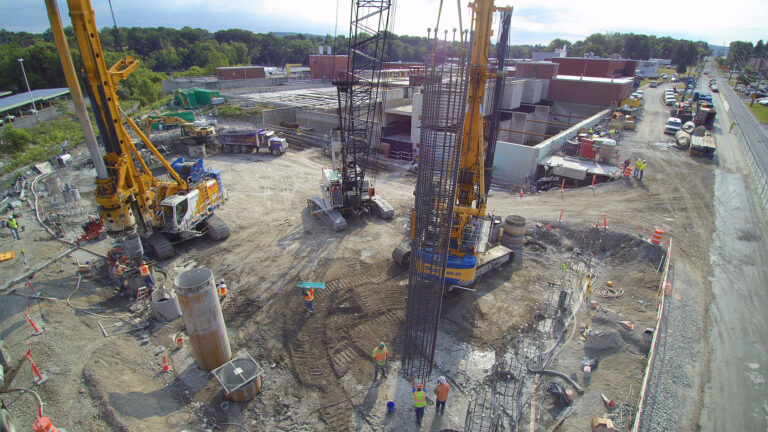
point(672, 125)
point(245, 142)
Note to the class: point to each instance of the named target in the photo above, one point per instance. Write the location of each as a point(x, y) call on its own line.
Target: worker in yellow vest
point(380, 354)
point(149, 281)
point(643, 165)
point(419, 400)
point(13, 225)
point(638, 164)
point(309, 296)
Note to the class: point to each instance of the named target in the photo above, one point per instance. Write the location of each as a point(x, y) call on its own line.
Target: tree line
point(192, 51)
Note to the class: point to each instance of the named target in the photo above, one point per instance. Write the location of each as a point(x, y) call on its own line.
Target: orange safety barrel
point(628, 171)
point(43, 424)
point(657, 236)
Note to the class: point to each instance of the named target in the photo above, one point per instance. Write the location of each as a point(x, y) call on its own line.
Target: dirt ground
point(318, 372)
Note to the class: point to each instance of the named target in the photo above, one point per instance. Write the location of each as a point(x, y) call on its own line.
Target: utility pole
point(21, 62)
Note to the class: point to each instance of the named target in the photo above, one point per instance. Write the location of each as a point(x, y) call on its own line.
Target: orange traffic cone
point(166, 366)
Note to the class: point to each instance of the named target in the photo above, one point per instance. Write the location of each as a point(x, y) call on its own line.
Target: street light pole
point(21, 62)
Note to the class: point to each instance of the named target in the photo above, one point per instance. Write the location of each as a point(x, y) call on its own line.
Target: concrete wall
point(41, 116)
point(516, 163)
point(279, 115)
point(532, 93)
point(513, 93)
point(319, 121)
point(214, 84)
point(512, 163)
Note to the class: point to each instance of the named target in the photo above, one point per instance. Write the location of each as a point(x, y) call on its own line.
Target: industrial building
point(542, 107)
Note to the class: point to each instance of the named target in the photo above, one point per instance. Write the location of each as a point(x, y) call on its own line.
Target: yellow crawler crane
point(136, 206)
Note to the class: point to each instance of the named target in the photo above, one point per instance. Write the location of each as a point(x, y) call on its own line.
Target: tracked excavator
point(139, 209)
point(189, 131)
point(474, 247)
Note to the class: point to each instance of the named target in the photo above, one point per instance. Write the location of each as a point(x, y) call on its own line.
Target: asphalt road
point(721, 342)
point(750, 127)
point(735, 396)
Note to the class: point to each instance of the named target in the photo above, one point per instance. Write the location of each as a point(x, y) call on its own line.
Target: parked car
point(672, 125)
point(763, 101)
point(715, 89)
point(664, 76)
point(653, 84)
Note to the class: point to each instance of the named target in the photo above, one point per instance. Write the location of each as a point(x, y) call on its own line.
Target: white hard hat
point(441, 380)
point(381, 344)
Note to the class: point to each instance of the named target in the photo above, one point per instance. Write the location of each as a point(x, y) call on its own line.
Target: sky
point(533, 21)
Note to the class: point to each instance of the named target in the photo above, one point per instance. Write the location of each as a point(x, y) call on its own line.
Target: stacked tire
point(513, 235)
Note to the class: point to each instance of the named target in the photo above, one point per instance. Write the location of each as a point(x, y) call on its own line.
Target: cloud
point(532, 21)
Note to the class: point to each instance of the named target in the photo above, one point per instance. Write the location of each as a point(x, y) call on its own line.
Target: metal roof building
point(19, 100)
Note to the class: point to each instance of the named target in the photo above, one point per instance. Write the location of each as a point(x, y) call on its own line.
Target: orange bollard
point(41, 377)
point(605, 221)
point(32, 323)
point(166, 366)
point(561, 215)
point(43, 424)
point(658, 233)
point(521, 192)
point(562, 186)
point(594, 177)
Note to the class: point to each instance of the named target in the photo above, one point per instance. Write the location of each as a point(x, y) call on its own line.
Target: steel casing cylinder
point(201, 310)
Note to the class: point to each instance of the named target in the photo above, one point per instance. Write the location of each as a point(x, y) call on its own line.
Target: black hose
point(559, 374)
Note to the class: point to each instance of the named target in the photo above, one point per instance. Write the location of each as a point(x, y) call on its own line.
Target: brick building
point(327, 66)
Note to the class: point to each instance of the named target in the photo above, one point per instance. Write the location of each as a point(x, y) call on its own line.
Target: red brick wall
point(600, 68)
point(588, 92)
point(543, 70)
point(240, 73)
point(326, 66)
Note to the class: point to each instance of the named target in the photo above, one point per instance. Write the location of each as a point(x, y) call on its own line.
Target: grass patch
point(760, 112)
point(237, 112)
point(46, 140)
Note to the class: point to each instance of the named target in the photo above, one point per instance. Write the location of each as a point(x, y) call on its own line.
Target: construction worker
point(119, 268)
point(149, 281)
point(441, 392)
point(221, 288)
point(380, 354)
point(419, 400)
point(638, 163)
point(13, 225)
point(626, 163)
point(309, 296)
point(643, 165)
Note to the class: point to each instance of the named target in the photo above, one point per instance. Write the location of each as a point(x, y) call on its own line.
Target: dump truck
point(246, 142)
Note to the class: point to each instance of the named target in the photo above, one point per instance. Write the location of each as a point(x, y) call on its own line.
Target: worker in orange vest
point(380, 354)
point(222, 289)
point(149, 281)
point(118, 275)
point(309, 296)
point(419, 400)
point(441, 391)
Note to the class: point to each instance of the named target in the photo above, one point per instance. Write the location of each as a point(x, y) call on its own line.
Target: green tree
point(681, 68)
point(16, 139)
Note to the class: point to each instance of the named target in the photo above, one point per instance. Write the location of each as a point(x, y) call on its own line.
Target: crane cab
point(179, 212)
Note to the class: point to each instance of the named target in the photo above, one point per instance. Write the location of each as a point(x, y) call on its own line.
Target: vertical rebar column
point(445, 95)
